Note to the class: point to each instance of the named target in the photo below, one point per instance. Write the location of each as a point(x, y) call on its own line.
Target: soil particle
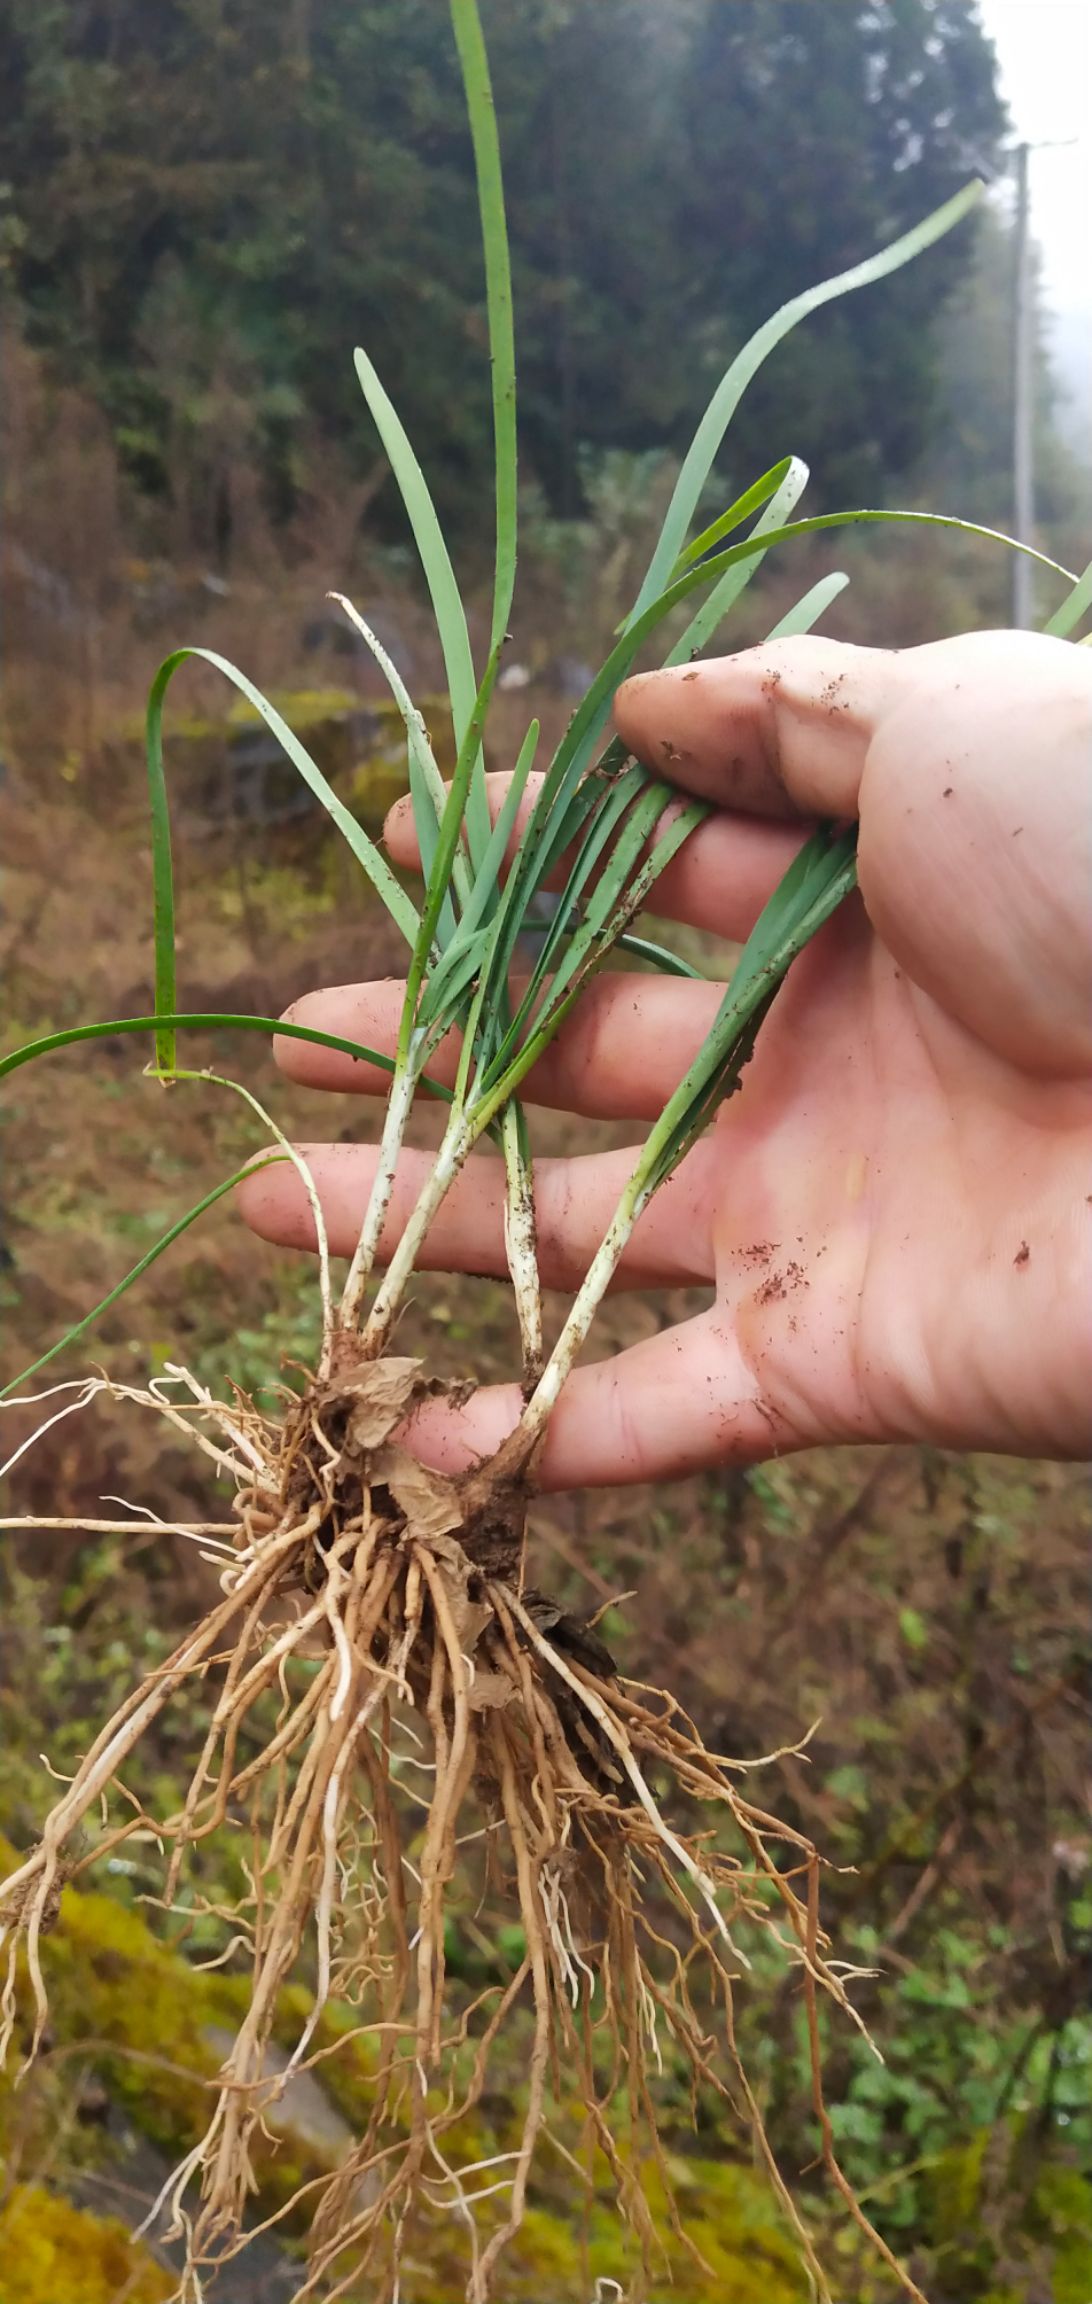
point(782, 1284)
point(759, 1252)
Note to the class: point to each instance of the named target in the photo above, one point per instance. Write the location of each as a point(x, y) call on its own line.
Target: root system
point(378, 1614)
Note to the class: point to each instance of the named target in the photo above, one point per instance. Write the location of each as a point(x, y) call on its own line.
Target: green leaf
point(807, 611)
point(724, 595)
point(1066, 618)
point(752, 500)
point(167, 1240)
point(551, 825)
point(619, 893)
point(426, 825)
point(482, 900)
point(607, 818)
point(448, 981)
point(733, 384)
point(447, 606)
point(163, 908)
point(403, 912)
point(450, 832)
point(204, 1021)
point(857, 2124)
point(498, 283)
point(658, 956)
point(818, 879)
point(427, 792)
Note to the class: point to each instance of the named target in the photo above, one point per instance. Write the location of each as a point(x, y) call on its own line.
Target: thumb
point(668, 1406)
point(780, 730)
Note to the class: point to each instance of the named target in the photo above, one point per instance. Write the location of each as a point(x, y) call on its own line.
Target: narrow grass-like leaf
point(448, 981)
point(403, 912)
point(428, 793)
point(605, 821)
point(474, 64)
point(592, 820)
point(585, 823)
point(1066, 618)
point(723, 597)
point(472, 935)
point(450, 833)
point(753, 500)
point(210, 1021)
point(707, 439)
point(817, 880)
point(806, 614)
point(163, 910)
point(567, 947)
point(482, 901)
point(447, 606)
point(427, 829)
point(633, 888)
point(657, 956)
point(152, 1255)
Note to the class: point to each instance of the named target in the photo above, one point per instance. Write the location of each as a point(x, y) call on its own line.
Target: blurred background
point(204, 204)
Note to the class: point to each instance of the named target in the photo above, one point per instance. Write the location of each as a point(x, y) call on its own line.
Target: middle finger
point(619, 1055)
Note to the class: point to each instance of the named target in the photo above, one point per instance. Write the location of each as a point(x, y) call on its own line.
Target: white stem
point(600, 1273)
point(449, 1160)
point(394, 1129)
point(521, 1245)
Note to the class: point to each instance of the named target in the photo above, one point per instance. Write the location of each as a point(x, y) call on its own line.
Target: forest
point(205, 205)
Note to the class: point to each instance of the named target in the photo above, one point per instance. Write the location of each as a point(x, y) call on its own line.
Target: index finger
point(782, 730)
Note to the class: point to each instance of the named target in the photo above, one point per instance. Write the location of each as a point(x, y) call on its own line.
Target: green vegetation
point(50, 2249)
point(198, 205)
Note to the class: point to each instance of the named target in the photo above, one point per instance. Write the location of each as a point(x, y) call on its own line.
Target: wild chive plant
point(431, 1646)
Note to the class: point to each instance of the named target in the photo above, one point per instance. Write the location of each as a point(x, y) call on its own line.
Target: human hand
point(896, 1213)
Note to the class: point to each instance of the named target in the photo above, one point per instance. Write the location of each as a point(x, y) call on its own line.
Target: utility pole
point(1023, 382)
point(1023, 324)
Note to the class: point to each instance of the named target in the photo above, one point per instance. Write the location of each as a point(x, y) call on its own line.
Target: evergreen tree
point(210, 201)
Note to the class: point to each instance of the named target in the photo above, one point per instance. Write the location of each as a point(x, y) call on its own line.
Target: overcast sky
point(1044, 49)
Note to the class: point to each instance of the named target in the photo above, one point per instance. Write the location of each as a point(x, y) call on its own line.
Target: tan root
point(402, 1593)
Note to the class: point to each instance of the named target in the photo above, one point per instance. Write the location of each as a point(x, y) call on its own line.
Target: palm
point(893, 1214)
point(883, 1205)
